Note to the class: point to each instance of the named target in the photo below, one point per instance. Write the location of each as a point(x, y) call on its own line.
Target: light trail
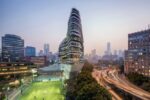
point(112, 77)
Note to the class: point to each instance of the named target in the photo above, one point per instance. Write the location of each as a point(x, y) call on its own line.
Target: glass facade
point(30, 51)
point(46, 49)
point(12, 48)
point(137, 57)
point(71, 49)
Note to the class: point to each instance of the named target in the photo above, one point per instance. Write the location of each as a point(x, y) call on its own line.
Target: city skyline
point(74, 50)
point(39, 22)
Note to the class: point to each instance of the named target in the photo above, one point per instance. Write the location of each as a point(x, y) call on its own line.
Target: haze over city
point(74, 49)
point(45, 21)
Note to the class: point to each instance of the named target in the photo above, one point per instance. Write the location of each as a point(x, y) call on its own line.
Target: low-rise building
point(12, 68)
point(39, 60)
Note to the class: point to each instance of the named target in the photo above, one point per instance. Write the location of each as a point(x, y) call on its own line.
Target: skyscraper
point(30, 51)
point(115, 52)
point(93, 52)
point(137, 57)
point(71, 49)
point(46, 49)
point(12, 48)
point(41, 53)
point(108, 51)
point(0, 54)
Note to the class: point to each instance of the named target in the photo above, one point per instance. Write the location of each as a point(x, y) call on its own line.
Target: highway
point(98, 77)
point(111, 76)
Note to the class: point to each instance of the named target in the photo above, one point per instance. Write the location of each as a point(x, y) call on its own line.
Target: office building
point(137, 57)
point(12, 48)
point(0, 55)
point(41, 53)
point(46, 49)
point(71, 49)
point(115, 52)
point(14, 68)
point(92, 58)
point(93, 52)
point(39, 61)
point(108, 51)
point(30, 51)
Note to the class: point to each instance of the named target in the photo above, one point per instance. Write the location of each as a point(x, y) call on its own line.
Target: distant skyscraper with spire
point(71, 49)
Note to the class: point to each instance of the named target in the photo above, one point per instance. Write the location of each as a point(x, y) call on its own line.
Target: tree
point(139, 80)
point(93, 91)
point(85, 87)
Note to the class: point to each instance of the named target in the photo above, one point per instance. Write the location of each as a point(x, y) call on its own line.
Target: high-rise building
point(30, 51)
point(12, 48)
point(41, 53)
point(71, 49)
point(137, 57)
point(0, 55)
point(121, 53)
point(108, 47)
point(93, 57)
point(46, 49)
point(93, 52)
point(108, 51)
point(115, 52)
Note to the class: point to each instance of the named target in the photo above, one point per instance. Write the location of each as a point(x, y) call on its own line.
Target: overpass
point(113, 80)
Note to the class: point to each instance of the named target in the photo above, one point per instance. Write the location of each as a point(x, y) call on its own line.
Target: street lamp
point(8, 88)
point(33, 73)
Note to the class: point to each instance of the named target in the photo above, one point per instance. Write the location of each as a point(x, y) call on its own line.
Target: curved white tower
point(71, 50)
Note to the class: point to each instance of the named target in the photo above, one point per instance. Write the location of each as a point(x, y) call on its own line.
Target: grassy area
point(51, 90)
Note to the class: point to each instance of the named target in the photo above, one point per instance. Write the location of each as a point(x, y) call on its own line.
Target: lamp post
point(8, 88)
point(22, 83)
point(33, 73)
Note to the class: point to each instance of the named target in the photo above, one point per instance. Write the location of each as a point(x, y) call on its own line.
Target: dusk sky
point(45, 21)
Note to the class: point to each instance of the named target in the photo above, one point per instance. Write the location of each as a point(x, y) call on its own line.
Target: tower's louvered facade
point(71, 49)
